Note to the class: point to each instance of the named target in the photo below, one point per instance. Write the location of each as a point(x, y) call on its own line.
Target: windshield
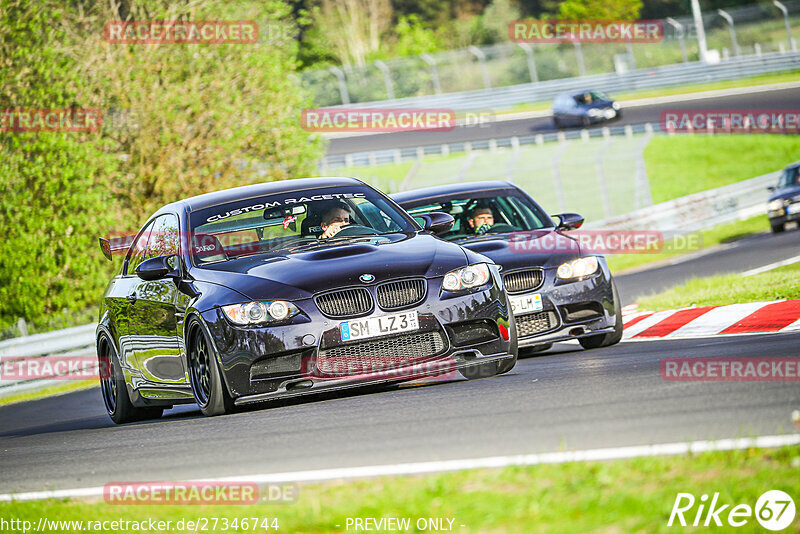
point(292, 222)
point(481, 215)
point(790, 178)
point(590, 97)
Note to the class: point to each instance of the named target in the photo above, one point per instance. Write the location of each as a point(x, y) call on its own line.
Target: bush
point(180, 120)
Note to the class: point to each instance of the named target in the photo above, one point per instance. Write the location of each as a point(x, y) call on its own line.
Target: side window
point(136, 254)
point(164, 237)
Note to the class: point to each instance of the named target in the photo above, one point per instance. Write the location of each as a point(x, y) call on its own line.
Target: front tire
point(606, 340)
point(777, 228)
point(205, 377)
point(115, 391)
point(486, 370)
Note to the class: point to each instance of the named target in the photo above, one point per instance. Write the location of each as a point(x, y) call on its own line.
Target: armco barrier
point(698, 211)
point(650, 78)
point(75, 341)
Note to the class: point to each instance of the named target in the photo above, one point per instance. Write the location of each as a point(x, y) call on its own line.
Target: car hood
point(540, 248)
point(301, 274)
point(786, 192)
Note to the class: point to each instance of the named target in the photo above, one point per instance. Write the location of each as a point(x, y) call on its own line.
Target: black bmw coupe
point(291, 288)
point(558, 291)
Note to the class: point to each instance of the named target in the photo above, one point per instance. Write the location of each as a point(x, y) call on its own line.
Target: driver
point(332, 221)
point(480, 220)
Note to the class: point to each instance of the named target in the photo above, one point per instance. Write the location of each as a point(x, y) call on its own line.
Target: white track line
point(769, 267)
point(418, 468)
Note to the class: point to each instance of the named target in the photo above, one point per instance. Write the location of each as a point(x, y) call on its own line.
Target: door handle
point(132, 297)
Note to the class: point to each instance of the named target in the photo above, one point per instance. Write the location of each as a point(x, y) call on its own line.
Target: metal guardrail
point(400, 155)
point(698, 211)
point(76, 341)
point(649, 78)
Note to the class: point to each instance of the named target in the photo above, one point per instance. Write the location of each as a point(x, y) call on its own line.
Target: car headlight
point(466, 278)
point(260, 312)
point(594, 112)
point(775, 205)
point(578, 268)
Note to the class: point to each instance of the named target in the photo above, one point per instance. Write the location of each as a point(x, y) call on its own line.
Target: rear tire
point(777, 228)
point(205, 377)
point(606, 340)
point(115, 391)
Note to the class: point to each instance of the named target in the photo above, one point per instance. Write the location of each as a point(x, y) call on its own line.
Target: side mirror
point(771, 188)
point(156, 268)
point(569, 221)
point(436, 222)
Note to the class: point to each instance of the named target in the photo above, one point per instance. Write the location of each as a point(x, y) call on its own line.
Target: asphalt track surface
point(565, 398)
point(775, 99)
point(737, 256)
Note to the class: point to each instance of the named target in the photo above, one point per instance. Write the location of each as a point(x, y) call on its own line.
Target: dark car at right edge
point(556, 293)
point(784, 202)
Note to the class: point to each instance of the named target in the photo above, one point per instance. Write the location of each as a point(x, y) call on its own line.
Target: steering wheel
point(502, 228)
point(356, 229)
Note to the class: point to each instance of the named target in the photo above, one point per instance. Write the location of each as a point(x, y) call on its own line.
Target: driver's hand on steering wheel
point(333, 229)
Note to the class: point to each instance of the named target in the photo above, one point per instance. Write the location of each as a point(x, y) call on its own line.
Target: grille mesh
point(524, 280)
point(535, 323)
point(345, 302)
point(378, 354)
point(402, 293)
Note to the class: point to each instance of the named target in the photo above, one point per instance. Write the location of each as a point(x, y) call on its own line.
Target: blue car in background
point(584, 108)
point(784, 203)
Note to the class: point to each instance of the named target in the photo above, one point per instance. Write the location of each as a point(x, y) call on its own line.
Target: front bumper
point(574, 309)
point(782, 216)
point(263, 363)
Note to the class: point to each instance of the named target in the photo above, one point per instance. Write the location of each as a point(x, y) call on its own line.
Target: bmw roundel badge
point(367, 278)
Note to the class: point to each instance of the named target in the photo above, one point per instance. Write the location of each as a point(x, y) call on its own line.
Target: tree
point(592, 10)
point(353, 27)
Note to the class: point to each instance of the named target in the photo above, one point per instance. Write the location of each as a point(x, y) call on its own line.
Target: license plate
point(378, 326)
point(526, 303)
point(793, 208)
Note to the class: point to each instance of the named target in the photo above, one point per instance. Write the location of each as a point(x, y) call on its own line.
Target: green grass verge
point(686, 164)
point(635, 495)
point(59, 389)
point(767, 79)
point(723, 233)
point(780, 283)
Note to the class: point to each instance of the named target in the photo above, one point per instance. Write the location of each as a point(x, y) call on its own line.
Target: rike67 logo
point(774, 510)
